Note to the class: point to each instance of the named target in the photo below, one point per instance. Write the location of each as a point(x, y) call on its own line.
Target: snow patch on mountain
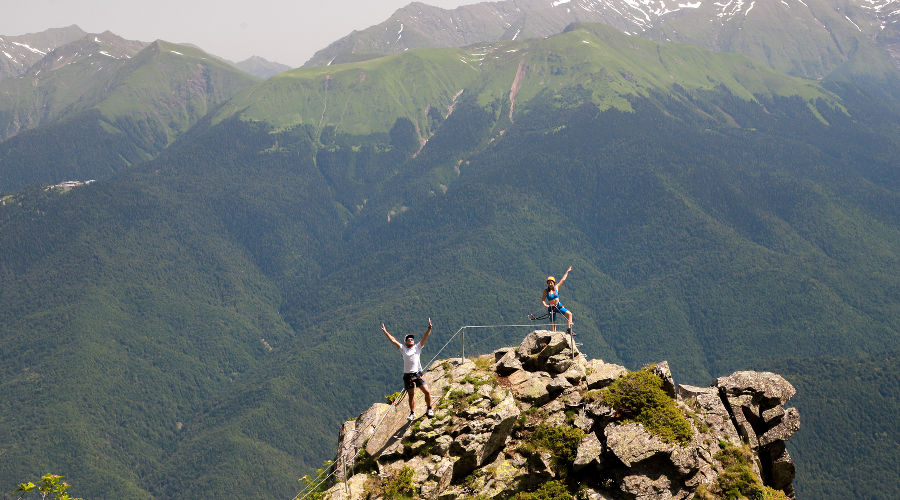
point(26, 46)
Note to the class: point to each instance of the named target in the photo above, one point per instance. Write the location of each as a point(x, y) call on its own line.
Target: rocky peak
point(541, 421)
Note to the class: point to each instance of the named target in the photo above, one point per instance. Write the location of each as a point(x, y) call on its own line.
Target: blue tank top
point(552, 295)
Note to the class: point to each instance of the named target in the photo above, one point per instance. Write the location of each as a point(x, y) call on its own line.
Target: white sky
point(284, 31)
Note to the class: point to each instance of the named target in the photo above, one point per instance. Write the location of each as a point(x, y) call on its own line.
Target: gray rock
point(353, 435)
point(783, 431)
point(559, 363)
point(631, 443)
point(645, 488)
point(539, 346)
point(769, 388)
point(531, 389)
point(741, 408)
point(474, 449)
point(662, 370)
point(354, 488)
point(705, 401)
point(589, 449)
point(442, 445)
point(508, 364)
point(575, 374)
point(558, 385)
point(781, 467)
point(772, 414)
point(600, 374)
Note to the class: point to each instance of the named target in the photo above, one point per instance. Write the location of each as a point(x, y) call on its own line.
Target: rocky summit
point(542, 421)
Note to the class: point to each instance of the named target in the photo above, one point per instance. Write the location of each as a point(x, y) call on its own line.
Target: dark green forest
point(200, 325)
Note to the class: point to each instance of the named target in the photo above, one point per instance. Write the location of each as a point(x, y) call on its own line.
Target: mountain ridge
point(808, 39)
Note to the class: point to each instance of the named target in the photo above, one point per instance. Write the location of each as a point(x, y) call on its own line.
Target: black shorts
point(411, 380)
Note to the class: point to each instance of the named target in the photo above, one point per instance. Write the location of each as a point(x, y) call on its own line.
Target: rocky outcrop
point(541, 415)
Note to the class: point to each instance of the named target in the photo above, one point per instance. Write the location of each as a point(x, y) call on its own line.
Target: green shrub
point(737, 479)
point(561, 442)
point(400, 485)
point(551, 490)
point(51, 487)
point(639, 397)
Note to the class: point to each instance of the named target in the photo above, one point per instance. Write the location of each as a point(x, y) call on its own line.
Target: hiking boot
point(569, 331)
point(430, 412)
point(411, 417)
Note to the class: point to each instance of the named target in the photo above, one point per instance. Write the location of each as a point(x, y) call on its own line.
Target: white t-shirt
point(411, 363)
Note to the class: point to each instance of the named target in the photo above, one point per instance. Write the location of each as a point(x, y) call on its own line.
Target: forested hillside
point(200, 324)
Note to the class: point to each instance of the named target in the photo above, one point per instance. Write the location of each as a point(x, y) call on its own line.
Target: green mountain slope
point(99, 110)
point(364, 98)
point(202, 323)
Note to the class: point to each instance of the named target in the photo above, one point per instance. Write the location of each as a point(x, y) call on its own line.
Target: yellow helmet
point(551, 278)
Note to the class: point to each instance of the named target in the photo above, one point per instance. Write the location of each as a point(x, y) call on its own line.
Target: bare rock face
point(526, 415)
point(631, 443)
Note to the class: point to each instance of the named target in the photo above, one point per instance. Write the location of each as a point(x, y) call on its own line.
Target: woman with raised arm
point(550, 299)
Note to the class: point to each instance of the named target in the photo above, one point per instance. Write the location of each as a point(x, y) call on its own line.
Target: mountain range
point(200, 321)
point(805, 38)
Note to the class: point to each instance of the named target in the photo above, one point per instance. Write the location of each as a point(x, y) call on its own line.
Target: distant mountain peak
point(807, 38)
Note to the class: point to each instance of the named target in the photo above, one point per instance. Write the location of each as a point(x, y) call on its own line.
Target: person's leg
point(569, 317)
point(412, 400)
point(427, 394)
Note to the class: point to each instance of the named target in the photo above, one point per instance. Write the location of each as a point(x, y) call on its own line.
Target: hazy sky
point(285, 31)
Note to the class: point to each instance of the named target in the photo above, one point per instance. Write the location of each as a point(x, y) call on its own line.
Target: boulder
point(769, 389)
point(559, 363)
point(644, 487)
point(353, 435)
point(631, 443)
point(705, 401)
point(784, 429)
point(532, 388)
point(599, 374)
point(769, 416)
point(589, 449)
point(781, 467)
point(741, 407)
point(661, 369)
point(473, 449)
point(352, 489)
point(539, 346)
point(508, 364)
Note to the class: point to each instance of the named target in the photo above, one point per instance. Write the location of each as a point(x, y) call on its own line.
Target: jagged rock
point(772, 414)
point(559, 363)
point(740, 408)
point(600, 374)
point(662, 370)
point(631, 443)
point(592, 494)
point(789, 424)
point(531, 387)
point(710, 408)
point(769, 389)
point(503, 352)
point(558, 385)
point(589, 449)
point(781, 466)
point(508, 364)
point(474, 449)
point(539, 346)
point(442, 445)
point(353, 488)
point(354, 434)
point(644, 488)
point(575, 374)
point(469, 448)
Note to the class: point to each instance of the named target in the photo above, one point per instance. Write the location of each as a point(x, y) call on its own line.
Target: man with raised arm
point(412, 368)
